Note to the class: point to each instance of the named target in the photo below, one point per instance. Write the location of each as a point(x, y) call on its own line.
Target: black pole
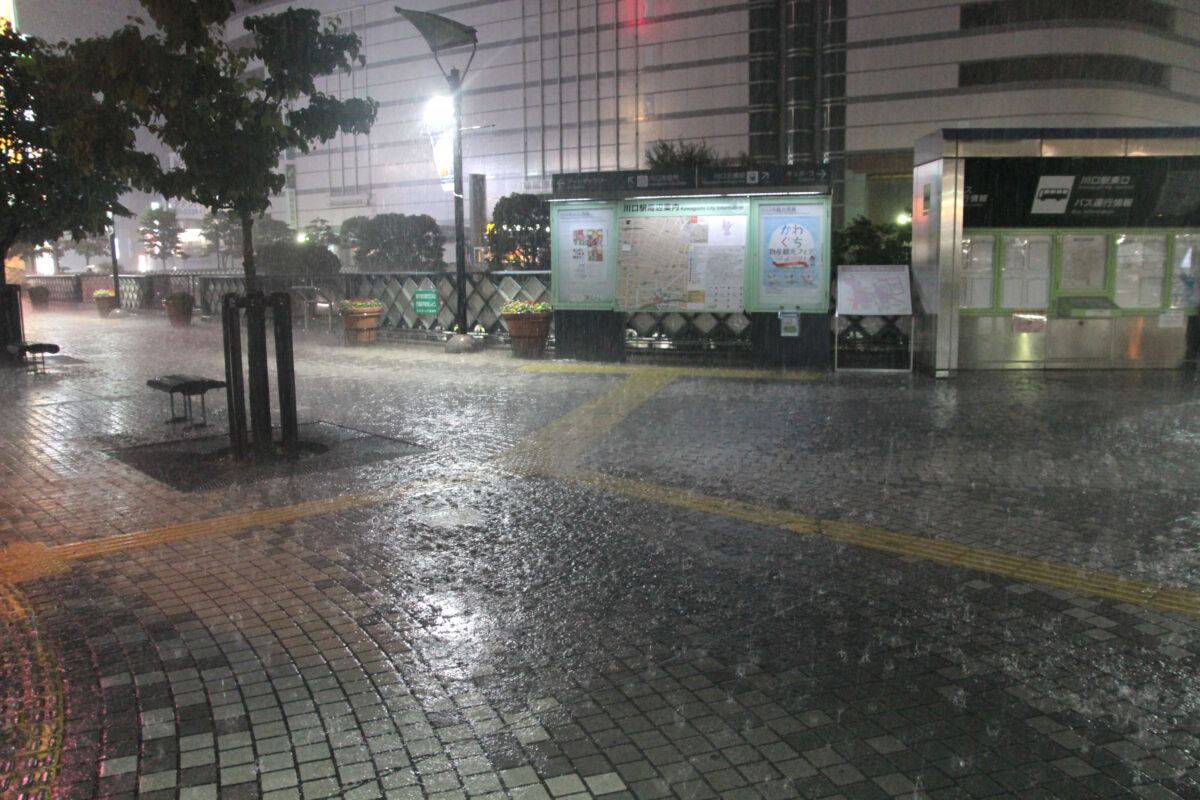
point(112, 250)
point(285, 372)
point(460, 245)
point(12, 324)
point(256, 365)
point(231, 329)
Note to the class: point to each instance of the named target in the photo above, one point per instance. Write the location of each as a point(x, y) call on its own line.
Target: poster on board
point(682, 255)
point(583, 250)
point(791, 257)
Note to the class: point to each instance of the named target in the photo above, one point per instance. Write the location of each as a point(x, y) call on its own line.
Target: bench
point(189, 386)
point(36, 353)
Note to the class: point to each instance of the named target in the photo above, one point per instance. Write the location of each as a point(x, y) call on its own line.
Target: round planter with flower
point(360, 317)
point(106, 301)
point(528, 326)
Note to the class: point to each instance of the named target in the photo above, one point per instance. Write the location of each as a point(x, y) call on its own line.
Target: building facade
point(583, 85)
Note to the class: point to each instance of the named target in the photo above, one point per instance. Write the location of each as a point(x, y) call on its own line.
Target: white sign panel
point(873, 290)
point(585, 258)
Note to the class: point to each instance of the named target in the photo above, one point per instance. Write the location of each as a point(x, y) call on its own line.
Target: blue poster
point(791, 271)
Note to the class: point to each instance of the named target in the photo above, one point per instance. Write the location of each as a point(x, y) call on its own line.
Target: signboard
point(874, 290)
point(425, 301)
point(583, 244)
point(691, 254)
point(619, 183)
point(790, 264)
point(682, 254)
point(1142, 191)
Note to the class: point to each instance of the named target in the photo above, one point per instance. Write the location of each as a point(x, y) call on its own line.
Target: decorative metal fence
point(487, 293)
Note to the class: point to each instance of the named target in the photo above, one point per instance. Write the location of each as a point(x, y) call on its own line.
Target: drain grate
point(203, 463)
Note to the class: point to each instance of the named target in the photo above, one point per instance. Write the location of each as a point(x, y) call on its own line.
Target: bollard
point(231, 330)
point(256, 366)
point(285, 370)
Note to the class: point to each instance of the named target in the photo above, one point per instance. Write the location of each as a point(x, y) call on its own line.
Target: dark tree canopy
point(397, 242)
point(865, 242)
point(519, 237)
point(65, 157)
point(679, 154)
point(306, 260)
point(229, 107)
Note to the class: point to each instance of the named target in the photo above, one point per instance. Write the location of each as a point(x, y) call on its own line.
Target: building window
point(1018, 12)
point(1141, 265)
point(979, 255)
point(1084, 263)
point(1091, 68)
point(1184, 291)
point(1025, 272)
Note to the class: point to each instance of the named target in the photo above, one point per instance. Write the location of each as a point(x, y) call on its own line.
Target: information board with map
point(880, 290)
point(681, 255)
point(717, 254)
point(582, 245)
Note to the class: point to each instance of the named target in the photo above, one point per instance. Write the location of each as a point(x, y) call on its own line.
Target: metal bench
point(32, 354)
point(189, 386)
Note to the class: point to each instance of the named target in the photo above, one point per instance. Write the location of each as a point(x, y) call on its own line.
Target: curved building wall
point(582, 85)
point(913, 66)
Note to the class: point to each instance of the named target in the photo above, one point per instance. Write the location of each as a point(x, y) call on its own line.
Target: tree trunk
point(259, 382)
point(248, 252)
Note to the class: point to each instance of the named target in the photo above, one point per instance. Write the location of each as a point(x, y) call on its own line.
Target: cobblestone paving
point(474, 619)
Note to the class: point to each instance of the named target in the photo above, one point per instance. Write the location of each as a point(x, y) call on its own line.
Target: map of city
point(874, 290)
point(684, 263)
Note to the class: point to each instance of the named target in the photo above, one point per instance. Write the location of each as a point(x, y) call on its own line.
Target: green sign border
point(753, 252)
point(557, 257)
point(681, 205)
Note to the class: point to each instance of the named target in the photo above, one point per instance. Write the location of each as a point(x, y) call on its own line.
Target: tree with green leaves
point(229, 106)
point(160, 231)
point(519, 237)
point(320, 232)
point(268, 230)
point(66, 156)
point(350, 235)
point(666, 155)
point(307, 260)
point(388, 242)
point(866, 242)
point(94, 248)
point(222, 234)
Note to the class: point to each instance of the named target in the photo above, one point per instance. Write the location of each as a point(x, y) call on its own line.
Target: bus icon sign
point(1053, 194)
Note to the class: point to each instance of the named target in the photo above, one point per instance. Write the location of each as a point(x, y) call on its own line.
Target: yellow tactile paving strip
point(31, 706)
point(1059, 576)
point(555, 451)
point(557, 447)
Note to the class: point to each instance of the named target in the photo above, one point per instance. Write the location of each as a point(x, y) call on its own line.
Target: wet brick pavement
point(573, 581)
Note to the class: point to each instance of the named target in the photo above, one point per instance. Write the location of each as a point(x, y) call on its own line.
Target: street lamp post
point(441, 33)
point(460, 244)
